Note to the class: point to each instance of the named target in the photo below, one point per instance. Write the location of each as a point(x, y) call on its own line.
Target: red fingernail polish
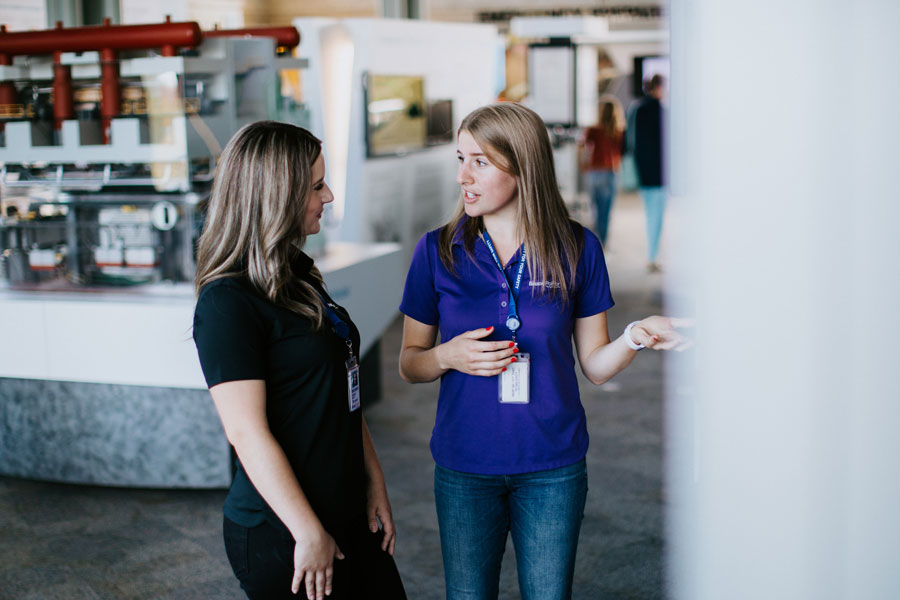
point(513, 359)
point(511, 344)
point(504, 368)
point(491, 327)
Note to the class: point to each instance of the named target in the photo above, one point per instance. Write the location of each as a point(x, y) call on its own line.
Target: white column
point(784, 452)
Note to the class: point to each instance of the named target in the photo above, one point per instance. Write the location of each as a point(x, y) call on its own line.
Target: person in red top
point(600, 155)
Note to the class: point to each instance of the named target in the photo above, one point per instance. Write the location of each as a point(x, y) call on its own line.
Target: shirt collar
point(458, 234)
point(301, 265)
point(481, 251)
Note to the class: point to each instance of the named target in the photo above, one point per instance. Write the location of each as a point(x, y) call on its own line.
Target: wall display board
point(551, 83)
point(395, 114)
point(439, 119)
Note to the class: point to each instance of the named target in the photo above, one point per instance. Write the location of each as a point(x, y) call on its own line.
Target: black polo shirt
point(241, 335)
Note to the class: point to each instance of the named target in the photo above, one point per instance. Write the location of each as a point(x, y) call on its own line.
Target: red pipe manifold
point(102, 37)
point(106, 39)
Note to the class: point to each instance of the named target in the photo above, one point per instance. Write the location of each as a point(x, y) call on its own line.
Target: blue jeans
point(542, 510)
point(655, 206)
point(601, 186)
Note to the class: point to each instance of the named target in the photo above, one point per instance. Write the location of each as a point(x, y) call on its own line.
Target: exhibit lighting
point(389, 105)
point(337, 88)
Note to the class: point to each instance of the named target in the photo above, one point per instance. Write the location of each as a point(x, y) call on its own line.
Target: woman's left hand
point(378, 508)
point(661, 333)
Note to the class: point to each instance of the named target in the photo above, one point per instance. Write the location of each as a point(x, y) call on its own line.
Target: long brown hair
point(611, 116)
point(515, 140)
point(256, 210)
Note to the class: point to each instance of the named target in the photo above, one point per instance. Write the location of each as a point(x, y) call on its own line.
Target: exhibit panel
point(109, 138)
point(389, 95)
point(105, 387)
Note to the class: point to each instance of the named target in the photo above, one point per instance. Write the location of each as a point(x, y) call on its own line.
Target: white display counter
point(104, 386)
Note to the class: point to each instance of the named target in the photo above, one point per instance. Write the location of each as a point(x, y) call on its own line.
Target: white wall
point(24, 15)
point(226, 14)
point(783, 455)
point(412, 193)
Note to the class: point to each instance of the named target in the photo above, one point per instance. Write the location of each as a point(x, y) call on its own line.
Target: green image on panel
point(395, 113)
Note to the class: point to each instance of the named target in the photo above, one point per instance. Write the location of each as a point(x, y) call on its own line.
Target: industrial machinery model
point(109, 137)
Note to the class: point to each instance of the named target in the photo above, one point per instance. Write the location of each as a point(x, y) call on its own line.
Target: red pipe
point(7, 88)
point(7, 92)
point(63, 105)
point(285, 37)
point(5, 59)
point(7, 96)
point(100, 37)
point(111, 94)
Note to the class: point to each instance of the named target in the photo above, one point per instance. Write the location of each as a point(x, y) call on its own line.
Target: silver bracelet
point(631, 343)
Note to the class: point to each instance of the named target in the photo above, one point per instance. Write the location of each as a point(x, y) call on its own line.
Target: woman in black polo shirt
point(279, 357)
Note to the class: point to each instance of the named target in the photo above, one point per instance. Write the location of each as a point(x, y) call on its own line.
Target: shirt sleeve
point(420, 298)
point(593, 295)
point(229, 334)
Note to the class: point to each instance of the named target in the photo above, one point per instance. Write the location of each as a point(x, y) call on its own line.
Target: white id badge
point(352, 383)
point(514, 380)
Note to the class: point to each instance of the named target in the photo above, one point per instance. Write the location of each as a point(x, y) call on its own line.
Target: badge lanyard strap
point(340, 327)
point(512, 319)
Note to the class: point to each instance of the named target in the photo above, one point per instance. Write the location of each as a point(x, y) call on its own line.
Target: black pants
point(262, 558)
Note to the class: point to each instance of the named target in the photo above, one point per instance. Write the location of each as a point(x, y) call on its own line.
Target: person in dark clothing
point(280, 359)
point(648, 157)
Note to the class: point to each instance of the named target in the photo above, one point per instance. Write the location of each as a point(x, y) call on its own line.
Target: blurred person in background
point(648, 156)
point(600, 154)
point(280, 359)
point(510, 434)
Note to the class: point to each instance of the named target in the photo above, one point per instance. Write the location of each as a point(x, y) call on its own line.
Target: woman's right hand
point(313, 563)
point(468, 354)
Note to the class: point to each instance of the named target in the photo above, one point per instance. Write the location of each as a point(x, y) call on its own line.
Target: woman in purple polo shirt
point(507, 283)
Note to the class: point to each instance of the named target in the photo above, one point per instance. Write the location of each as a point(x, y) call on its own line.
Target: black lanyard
point(512, 318)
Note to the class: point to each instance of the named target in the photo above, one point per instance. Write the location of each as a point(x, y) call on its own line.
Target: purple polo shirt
point(473, 431)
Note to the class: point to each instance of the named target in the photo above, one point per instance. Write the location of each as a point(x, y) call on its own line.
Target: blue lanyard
point(340, 327)
point(512, 319)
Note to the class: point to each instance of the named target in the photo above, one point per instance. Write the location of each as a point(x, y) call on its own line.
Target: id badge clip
point(514, 381)
point(352, 383)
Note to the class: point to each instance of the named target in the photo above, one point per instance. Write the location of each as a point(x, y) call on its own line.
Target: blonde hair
point(255, 218)
point(515, 140)
point(611, 115)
